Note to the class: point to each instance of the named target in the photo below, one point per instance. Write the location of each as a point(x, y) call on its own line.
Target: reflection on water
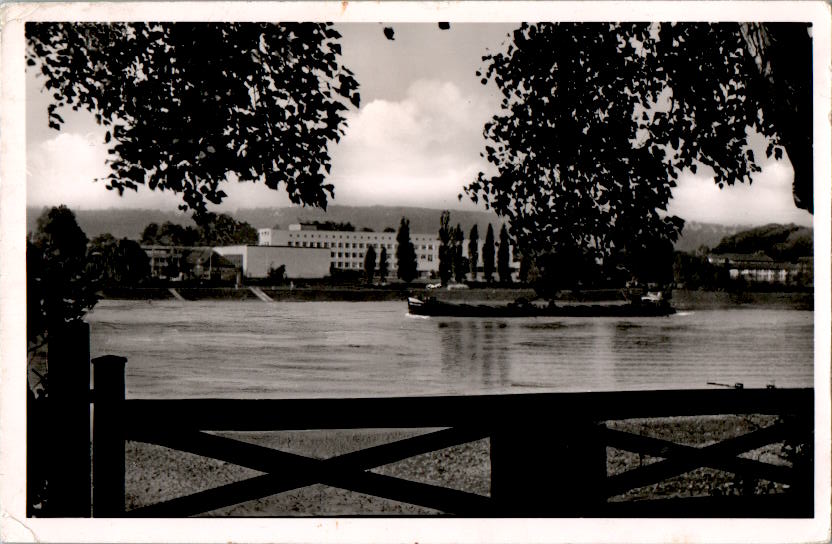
point(309, 349)
point(471, 354)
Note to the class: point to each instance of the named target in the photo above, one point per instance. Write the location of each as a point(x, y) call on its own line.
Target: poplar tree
point(473, 251)
point(460, 267)
point(370, 264)
point(446, 253)
point(488, 255)
point(503, 257)
point(405, 253)
point(383, 265)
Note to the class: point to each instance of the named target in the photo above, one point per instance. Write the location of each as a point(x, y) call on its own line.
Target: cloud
point(767, 200)
point(420, 150)
point(63, 169)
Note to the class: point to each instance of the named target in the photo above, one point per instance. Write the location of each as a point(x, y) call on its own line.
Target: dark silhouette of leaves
point(599, 119)
point(783, 54)
point(191, 104)
point(60, 286)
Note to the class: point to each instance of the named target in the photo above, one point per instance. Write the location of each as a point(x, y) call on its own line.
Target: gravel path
point(155, 474)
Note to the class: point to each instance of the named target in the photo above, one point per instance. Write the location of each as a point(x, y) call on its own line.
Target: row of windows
point(345, 255)
point(347, 245)
point(340, 245)
point(428, 245)
point(340, 236)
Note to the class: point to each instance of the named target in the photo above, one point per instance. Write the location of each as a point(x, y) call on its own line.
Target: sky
point(415, 140)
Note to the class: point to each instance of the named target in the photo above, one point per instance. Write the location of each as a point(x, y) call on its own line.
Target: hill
point(377, 218)
point(131, 223)
point(780, 242)
point(695, 235)
point(120, 223)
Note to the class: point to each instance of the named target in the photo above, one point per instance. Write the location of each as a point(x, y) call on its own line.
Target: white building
point(257, 261)
point(347, 248)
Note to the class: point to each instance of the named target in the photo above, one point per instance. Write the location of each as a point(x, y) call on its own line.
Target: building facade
point(760, 268)
point(179, 263)
point(346, 249)
point(299, 262)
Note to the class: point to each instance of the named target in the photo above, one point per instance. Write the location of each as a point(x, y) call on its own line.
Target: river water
point(251, 349)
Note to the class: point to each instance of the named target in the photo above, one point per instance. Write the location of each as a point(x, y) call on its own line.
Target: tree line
point(452, 262)
point(454, 265)
point(211, 230)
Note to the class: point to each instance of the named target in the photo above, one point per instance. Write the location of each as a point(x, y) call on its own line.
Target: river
point(251, 349)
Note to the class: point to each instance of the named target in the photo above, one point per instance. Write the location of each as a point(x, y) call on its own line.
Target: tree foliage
point(118, 262)
point(212, 230)
point(345, 226)
point(598, 121)
point(383, 265)
point(488, 254)
point(783, 54)
point(370, 264)
point(504, 256)
point(405, 253)
point(696, 272)
point(60, 287)
point(189, 106)
point(460, 263)
point(224, 230)
point(473, 250)
point(445, 252)
point(780, 242)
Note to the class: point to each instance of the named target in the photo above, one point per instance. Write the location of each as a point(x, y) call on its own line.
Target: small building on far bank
point(188, 263)
point(299, 262)
point(760, 268)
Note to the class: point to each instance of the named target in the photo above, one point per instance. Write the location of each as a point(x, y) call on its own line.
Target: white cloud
point(63, 169)
point(420, 150)
point(767, 200)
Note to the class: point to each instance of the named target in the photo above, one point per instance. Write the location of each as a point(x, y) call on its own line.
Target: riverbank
point(156, 474)
point(682, 300)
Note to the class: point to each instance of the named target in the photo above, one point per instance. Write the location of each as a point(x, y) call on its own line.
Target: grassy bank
point(717, 300)
point(155, 474)
point(682, 299)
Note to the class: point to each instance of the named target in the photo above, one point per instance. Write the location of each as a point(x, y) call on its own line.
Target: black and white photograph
point(471, 272)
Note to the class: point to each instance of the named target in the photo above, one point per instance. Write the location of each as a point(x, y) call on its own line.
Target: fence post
point(108, 436)
point(69, 399)
point(554, 470)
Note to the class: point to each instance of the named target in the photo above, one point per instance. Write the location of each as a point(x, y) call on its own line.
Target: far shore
point(682, 300)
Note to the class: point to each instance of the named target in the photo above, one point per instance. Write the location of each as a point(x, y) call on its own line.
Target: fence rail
point(548, 450)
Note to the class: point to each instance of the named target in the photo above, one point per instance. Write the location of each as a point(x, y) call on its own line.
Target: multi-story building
point(761, 268)
point(348, 248)
point(260, 261)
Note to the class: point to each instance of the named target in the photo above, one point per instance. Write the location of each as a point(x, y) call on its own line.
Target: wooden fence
point(548, 451)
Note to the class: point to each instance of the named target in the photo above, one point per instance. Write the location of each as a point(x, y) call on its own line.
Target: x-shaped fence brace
point(679, 459)
point(286, 471)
